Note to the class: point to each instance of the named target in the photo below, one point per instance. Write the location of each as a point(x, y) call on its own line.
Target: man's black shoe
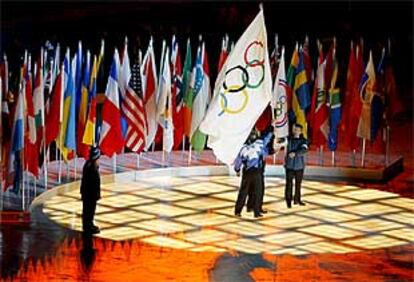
point(249, 209)
point(257, 215)
point(237, 214)
point(289, 205)
point(263, 211)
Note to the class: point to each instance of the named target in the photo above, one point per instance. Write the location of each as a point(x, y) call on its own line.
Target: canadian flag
point(111, 140)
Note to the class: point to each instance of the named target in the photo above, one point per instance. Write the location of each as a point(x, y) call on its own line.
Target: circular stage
point(196, 213)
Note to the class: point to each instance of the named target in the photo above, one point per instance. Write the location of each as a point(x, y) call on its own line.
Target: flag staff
point(76, 166)
point(183, 144)
point(387, 145)
point(23, 186)
point(321, 155)
point(363, 152)
point(353, 157)
point(189, 153)
point(114, 163)
point(1, 141)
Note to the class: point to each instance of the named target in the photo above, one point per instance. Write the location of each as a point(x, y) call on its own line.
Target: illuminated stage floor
point(195, 213)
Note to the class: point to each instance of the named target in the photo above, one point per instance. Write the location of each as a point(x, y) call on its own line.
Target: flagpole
point(76, 166)
point(363, 152)
point(163, 158)
point(67, 171)
point(333, 158)
point(35, 190)
point(189, 155)
point(183, 144)
point(353, 158)
point(321, 155)
point(387, 145)
point(114, 163)
point(23, 186)
point(45, 148)
point(58, 157)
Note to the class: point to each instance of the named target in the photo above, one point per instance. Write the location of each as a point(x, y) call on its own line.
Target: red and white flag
point(111, 140)
point(132, 105)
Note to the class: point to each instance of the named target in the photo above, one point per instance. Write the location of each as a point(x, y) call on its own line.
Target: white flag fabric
point(279, 100)
point(242, 92)
point(165, 103)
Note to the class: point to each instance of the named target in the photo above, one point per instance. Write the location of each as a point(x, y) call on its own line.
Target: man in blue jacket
point(295, 165)
point(251, 158)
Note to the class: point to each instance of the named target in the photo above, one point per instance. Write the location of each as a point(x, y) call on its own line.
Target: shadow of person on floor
point(87, 253)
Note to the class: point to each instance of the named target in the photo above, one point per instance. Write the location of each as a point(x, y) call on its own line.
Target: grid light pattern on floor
point(197, 214)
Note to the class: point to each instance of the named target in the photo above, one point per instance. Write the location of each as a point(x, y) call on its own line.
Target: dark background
point(27, 25)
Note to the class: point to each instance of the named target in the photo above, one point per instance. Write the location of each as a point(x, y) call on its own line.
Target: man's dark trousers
point(251, 184)
point(298, 175)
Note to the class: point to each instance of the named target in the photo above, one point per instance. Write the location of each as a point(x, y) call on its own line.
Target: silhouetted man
point(90, 190)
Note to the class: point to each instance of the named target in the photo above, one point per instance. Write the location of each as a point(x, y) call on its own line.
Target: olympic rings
point(279, 105)
point(254, 63)
point(281, 123)
point(245, 80)
point(245, 77)
point(224, 102)
point(261, 79)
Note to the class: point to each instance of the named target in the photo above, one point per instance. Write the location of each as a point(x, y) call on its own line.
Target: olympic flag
point(242, 91)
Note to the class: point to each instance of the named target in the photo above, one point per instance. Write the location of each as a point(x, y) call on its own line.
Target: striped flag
point(334, 104)
point(66, 141)
point(17, 136)
point(83, 149)
point(301, 95)
point(111, 140)
point(132, 105)
point(89, 134)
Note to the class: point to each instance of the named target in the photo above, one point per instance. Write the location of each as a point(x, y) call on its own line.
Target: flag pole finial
point(261, 6)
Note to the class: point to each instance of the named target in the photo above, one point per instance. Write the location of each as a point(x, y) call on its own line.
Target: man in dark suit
point(295, 165)
point(90, 190)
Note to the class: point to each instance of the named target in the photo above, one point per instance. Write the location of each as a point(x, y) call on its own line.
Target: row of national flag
point(327, 113)
point(56, 102)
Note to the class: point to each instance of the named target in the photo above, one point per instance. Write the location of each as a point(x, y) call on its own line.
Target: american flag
point(134, 111)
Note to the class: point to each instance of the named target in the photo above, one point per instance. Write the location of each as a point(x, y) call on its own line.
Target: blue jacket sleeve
point(303, 148)
point(238, 162)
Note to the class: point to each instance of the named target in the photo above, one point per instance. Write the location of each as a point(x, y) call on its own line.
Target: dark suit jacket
point(91, 183)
